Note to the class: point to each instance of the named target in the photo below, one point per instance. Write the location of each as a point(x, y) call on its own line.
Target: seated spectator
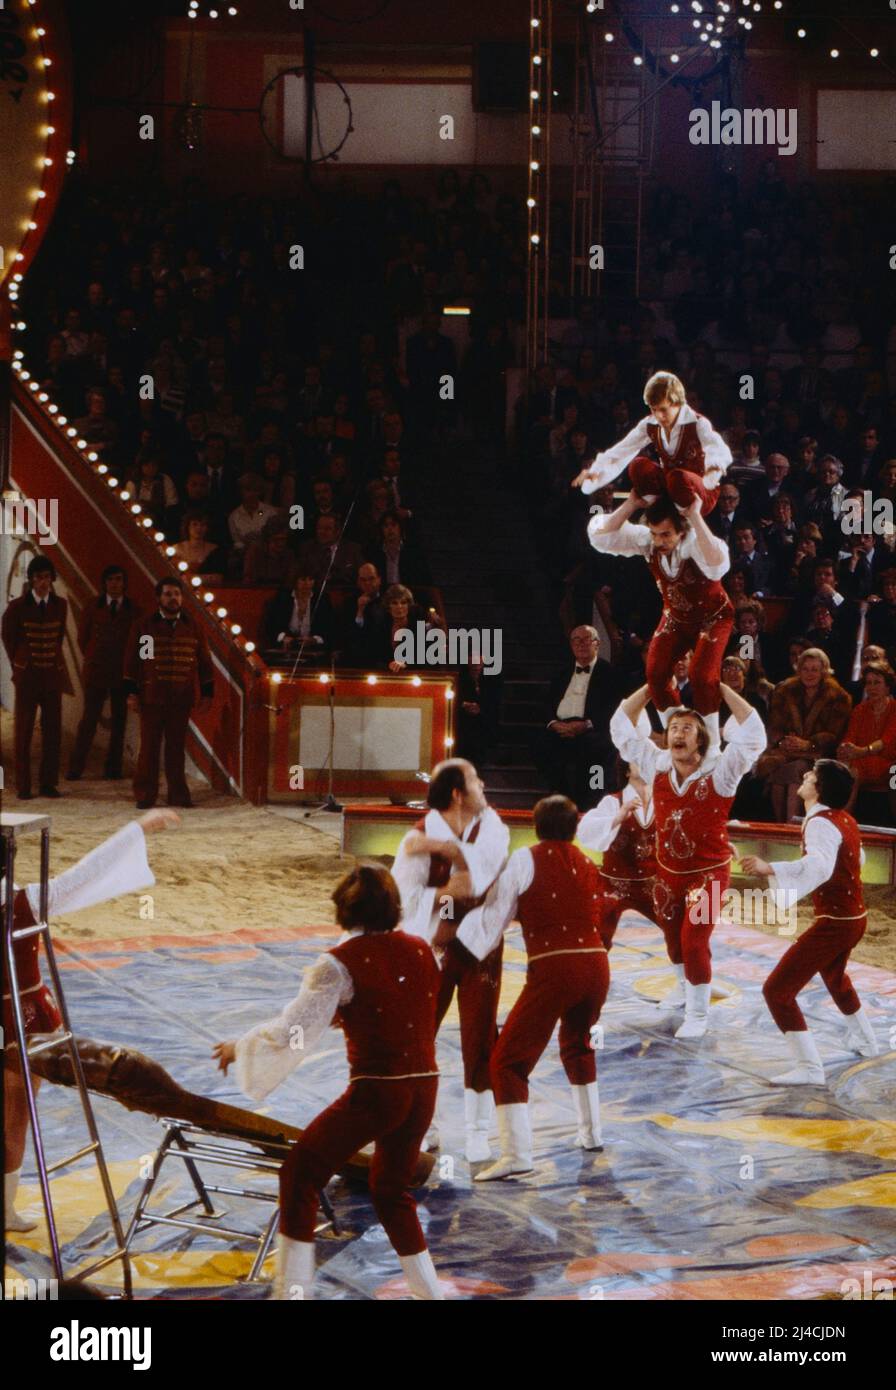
point(363, 617)
point(780, 535)
point(95, 427)
point(866, 460)
point(738, 582)
point(196, 551)
point(808, 715)
point(398, 561)
point(153, 489)
point(734, 673)
point(798, 579)
point(247, 521)
point(885, 483)
point(759, 495)
point(399, 493)
point(477, 710)
point(270, 559)
point(366, 526)
point(820, 632)
point(297, 622)
point(869, 745)
point(824, 586)
point(882, 616)
point(759, 650)
point(824, 502)
point(278, 482)
point(342, 480)
point(747, 468)
point(330, 557)
point(855, 575)
point(680, 677)
point(321, 500)
point(747, 556)
point(727, 513)
point(573, 752)
point(403, 613)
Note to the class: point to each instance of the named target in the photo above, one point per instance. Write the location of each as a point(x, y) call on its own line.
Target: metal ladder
point(195, 1146)
point(11, 827)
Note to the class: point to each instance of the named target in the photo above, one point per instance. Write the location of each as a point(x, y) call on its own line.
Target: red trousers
point(630, 893)
point(824, 950)
point(650, 479)
point(394, 1116)
point(158, 722)
point(478, 985)
point(569, 987)
point(671, 641)
point(686, 908)
point(29, 699)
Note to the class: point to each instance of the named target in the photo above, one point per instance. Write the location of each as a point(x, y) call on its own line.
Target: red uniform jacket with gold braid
point(103, 639)
point(632, 855)
point(390, 1024)
point(688, 451)
point(38, 1005)
point(33, 637)
point(180, 658)
point(841, 896)
point(691, 597)
point(691, 830)
point(561, 908)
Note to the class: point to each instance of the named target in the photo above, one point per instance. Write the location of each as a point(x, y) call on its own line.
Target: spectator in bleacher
point(399, 493)
point(247, 521)
point(757, 691)
point(727, 513)
point(322, 503)
point(869, 745)
point(430, 357)
point(798, 579)
point(855, 575)
point(808, 715)
point(748, 557)
point(198, 553)
point(398, 560)
point(759, 495)
point(223, 491)
point(780, 539)
point(823, 585)
point(364, 614)
point(882, 616)
point(270, 559)
point(403, 613)
point(478, 712)
point(885, 482)
point(96, 427)
point(279, 482)
point(342, 480)
point(820, 632)
point(824, 502)
point(365, 526)
point(760, 650)
point(102, 637)
point(329, 556)
point(574, 752)
point(153, 490)
point(748, 467)
point(298, 620)
point(866, 461)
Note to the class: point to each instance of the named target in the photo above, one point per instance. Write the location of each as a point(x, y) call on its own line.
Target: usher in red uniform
point(381, 989)
point(553, 890)
point(840, 918)
point(33, 634)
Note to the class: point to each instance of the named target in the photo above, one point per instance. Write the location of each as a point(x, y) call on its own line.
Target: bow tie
point(581, 670)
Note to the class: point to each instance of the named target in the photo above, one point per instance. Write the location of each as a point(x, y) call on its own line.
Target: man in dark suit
point(759, 496)
point(574, 752)
point(398, 561)
point(329, 555)
point(864, 463)
point(103, 636)
point(726, 514)
point(747, 556)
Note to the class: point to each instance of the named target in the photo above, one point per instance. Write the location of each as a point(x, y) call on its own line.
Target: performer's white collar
point(685, 416)
point(705, 768)
point(819, 806)
point(437, 828)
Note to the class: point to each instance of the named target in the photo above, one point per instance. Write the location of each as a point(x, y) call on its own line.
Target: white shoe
point(295, 1270)
point(809, 1070)
point(430, 1141)
point(696, 1011)
point(478, 1109)
point(516, 1144)
point(860, 1035)
point(675, 997)
point(16, 1220)
point(587, 1102)
point(420, 1273)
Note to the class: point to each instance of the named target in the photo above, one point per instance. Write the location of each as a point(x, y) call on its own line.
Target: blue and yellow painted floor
point(712, 1183)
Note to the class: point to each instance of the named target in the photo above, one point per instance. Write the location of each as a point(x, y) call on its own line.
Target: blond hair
point(664, 386)
point(818, 655)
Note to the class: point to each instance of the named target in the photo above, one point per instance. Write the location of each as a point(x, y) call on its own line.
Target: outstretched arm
point(610, 463)
point(739, 707)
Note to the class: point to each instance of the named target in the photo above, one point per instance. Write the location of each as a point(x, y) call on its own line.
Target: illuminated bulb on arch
point(221, 612)
point(537, 58)
point(147, 521)
point(449, 742)
point(182, 566)
point(209, 598)
point(835, 53)
point(535, 238)
point(415, 680)
point(170, 551)
point(136, 508)
point(535, 166)
point(196, 581)
point(536, 130)
point(673, 58)
point(874, 52)
point(323, 678)
point(371, 680)
point(530, 203)
point(277, 677)
point(608, 38)
point(250, 646)
point(638, 61)
point(449, 694)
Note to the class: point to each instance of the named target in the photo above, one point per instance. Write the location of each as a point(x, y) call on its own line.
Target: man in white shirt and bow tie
point(575, 741)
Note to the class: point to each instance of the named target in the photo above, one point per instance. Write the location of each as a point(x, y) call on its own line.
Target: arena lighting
point(537, 59)
point(250, 646)
point(458, 311)
point(235, 629)
point(196, 581)
point(124, 495)
point(209, 598)
point(62, 420)
point(415, 680)
point(113, 482)
point(170, 551)
point(147, 522)
point(71, 432)
point(371, 680)
point(93, 456)
point(449, 742)
point(673, 58)
point(530, 203)
point(103, 468)
point(608, 38)
point(449, 694)
point(873, 52)
point(221, 612)
point(323, 678)
point(801, 33)
point(536, 130)
point(82, 443)
point(157, 535)
point(182, 566)
point(136, 508)
point(835, 53)
point(33, 386)
point(276, 677)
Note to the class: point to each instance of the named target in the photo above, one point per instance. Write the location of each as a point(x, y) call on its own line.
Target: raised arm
point(610, 463)
point(710, 551)
point(630, 732)
point(746, 737)
point(739, 707)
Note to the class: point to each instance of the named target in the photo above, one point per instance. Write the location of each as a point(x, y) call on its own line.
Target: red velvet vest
point(691, 597)
point(688, 451)
point(390, 1024)
point(561, 908)
point(691, 830)
point(632, 855)
point(842, 895)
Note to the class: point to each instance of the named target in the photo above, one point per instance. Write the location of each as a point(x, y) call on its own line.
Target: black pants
point(94, 699)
